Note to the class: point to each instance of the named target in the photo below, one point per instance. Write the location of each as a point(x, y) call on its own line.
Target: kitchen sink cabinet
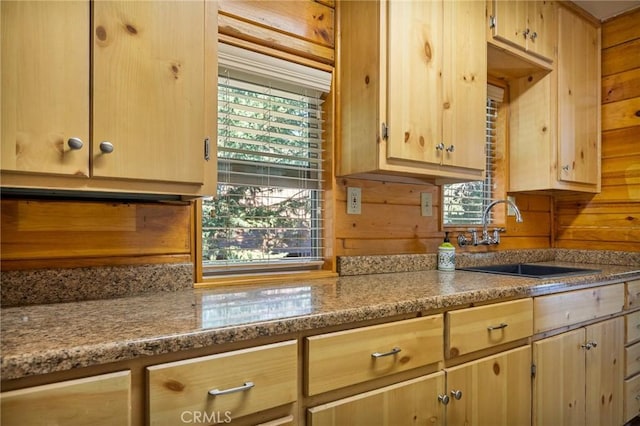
point(98, 400)
point(579, 376)
point(109, 96)
point(412, 98)
point(555, 116)
point(495, 390)
point(527, 25)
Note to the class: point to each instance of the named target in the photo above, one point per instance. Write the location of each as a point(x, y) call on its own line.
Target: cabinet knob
point(450, 148)
point(106, 147)
point(75, 143)
point(533, 36)
point(565, 168)
point(525, 33)
point(457, 394)
point(440, 146)
point(444, 399)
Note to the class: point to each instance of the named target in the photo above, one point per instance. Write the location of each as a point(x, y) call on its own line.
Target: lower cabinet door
point(495, 390)
point(559, 383)
point(413, 402)
point(98, 400)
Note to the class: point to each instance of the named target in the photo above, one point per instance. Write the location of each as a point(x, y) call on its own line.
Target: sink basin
point(531, 270)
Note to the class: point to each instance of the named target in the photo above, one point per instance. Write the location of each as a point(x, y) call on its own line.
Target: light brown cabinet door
point(415, 62)
point(605, 373)
point(510, 22)
point(148, 90)
point(464, 80)
point(45, 86)
point(437, 82)
point(412, 402)
point(559, 382)
point(542, 22)
point(495, 390)
point(578, 100)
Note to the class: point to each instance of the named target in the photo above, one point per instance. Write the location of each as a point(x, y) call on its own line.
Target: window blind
point(464, 203)
point(268, 212)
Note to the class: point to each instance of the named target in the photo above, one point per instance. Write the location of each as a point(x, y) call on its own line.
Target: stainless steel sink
point(531, 270)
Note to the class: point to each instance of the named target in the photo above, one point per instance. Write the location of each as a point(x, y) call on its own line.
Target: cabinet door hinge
point(492, 21)
point(533, 370)
point(207, 149)
point(385, 131)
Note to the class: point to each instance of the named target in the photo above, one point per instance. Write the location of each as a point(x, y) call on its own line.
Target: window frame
point(326, 267)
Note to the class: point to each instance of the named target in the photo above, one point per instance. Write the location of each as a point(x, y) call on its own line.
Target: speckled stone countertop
point(40, 339)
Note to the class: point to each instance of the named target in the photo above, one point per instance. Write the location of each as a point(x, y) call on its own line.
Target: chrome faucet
point(486, 239)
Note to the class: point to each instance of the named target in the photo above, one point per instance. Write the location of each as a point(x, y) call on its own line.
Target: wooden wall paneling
point(72, 231)
point(620, 29)
point(621, 86)
point(610, 220)
point(277, 25)
point(622, 57)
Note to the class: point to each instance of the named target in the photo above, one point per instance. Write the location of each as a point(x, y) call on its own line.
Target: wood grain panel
point(75, 230)
point(616, 142)
point(621, 58)
point(621, 114)
point(621, 29)
point(621, 86)
point(271, 38)
point(317, 24)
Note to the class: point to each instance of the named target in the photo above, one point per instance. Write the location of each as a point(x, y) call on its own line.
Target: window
point(465, 202)
point(268, 211)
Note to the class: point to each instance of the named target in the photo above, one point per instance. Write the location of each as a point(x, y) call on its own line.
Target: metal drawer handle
point(381, 354)
point(457, 394)
point(444, 399)
point(497, 327)
point(217, 392)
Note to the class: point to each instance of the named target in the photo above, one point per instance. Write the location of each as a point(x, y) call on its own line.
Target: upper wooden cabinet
point(412, 97)
point(555, 117)
point(527, 25)
point(136, 123)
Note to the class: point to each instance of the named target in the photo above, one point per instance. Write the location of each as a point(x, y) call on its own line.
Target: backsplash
point(69, 285)
point(362, 265)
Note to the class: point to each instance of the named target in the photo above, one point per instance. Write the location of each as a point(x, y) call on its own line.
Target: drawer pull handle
point(246, 386)
point(381, 354)
point(497, 327)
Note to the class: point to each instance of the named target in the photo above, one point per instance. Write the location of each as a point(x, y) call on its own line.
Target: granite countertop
point(40, 339)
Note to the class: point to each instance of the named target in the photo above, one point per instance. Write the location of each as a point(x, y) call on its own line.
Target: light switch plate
point(426, 204)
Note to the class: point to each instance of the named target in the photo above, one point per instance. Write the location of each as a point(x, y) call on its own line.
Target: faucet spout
point(485, 219)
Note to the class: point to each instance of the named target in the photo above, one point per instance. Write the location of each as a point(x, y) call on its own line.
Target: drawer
point(632, 360)
point(563, 309)
point(482, 327)
point(231, 384)
point(631, 398)
point(633, 295)
point(632, 327)
point(336, 360)
point(99, 400)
